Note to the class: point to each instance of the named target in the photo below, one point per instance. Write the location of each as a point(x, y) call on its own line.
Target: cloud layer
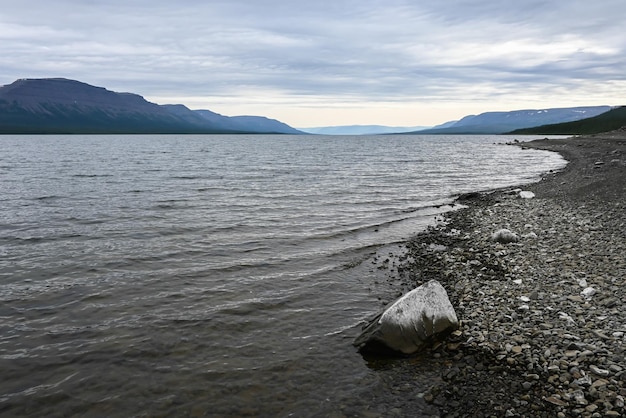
point(328, 62)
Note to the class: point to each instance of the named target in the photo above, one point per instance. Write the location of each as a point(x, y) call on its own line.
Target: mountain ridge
point(494, 122)
point(500, 122)
point(60, 105)
point(605, 122)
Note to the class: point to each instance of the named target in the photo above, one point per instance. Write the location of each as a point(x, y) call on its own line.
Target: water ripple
point(215, 275)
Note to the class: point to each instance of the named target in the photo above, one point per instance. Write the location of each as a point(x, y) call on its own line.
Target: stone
point(413, 321)
point(526, 194)
point(600, 383)
point(556, 401)
point(588, 292)
point(570, 321)
point(598, 371)
point(584, 381)
point(504, 236)
point(579, 397)
point(438, 248)
point(600, 334)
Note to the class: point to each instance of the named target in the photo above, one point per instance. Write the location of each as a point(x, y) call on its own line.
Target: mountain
point(445, 125)
point(242, 124)
point(59, 105)
point(247, 123)
point(605, 122)
point(360, 130)
point(503, 122)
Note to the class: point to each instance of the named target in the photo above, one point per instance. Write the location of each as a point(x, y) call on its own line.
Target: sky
point(328, 62)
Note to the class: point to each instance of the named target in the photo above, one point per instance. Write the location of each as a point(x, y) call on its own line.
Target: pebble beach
point(543, 321)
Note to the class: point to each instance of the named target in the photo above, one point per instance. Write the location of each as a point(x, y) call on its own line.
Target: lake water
point(214, 275)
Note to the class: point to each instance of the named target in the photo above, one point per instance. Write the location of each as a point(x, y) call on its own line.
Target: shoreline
point(543, 324)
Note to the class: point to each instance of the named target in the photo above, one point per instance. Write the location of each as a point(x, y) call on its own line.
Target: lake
point(147, 275)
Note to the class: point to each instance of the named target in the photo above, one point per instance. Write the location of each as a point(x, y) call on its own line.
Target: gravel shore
point(543, 329)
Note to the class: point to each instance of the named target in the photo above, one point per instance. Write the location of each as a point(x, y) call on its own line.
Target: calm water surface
point(213, 275)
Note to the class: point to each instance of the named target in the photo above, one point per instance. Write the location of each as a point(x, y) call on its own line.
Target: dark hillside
point(609, 121)
point(58, 105)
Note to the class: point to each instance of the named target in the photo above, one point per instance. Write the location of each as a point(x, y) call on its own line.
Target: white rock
point(526, 194)
point(570, 321)
point(504, 236)
point(413, 321)
point(524, 298)
point(582, 282)
point(588, 292)
point(438, 248)
point(584, 381)
point(530, 235)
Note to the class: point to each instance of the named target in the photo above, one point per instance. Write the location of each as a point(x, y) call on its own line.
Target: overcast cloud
point(394, 62)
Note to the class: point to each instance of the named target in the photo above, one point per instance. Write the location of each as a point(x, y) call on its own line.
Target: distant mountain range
point(360, 129)
point(612, 120)
point(503, 122)
point(484, 123)
point(58, 105)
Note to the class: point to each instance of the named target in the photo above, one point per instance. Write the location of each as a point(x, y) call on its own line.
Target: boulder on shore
point(413, 321)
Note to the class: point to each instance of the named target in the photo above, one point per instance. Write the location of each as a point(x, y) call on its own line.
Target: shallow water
point(213, 275)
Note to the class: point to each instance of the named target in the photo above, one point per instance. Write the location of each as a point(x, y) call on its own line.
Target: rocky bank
point(543, 319)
